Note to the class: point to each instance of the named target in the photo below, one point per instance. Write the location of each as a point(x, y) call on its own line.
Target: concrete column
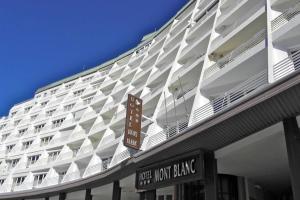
point(179, 192)
point(116, 195)
point(62, 196)
point(88, 195)
point(211, 175)
point(241, 188)
point(292, 138)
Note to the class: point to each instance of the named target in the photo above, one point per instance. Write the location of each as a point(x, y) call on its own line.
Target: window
point(69, 85)
point(17, 122)
point(38, 128)
point(78, 92)
point(32, 160)
point(97, 85)
point(227, 187)
point(43, 104)
point(13, 113)
point(38, 179)
point(46, 140)
point(2, 126)
point(75, 151)
point(53, 91)
point(27, 109)
point(53, 155)
point(33, 117)
point(57, 123)
point(4, 136)
point(142, 49)
point(87, 100)
point(27, 144)
point(12, 163)
point(69, 107)
point(45, 94)
point(2, 181)
point(18, 181)
point(50, 112)
point(9, 148)
point(61, 175)
point(22, 132)
point(87, 79)
point(106, 162)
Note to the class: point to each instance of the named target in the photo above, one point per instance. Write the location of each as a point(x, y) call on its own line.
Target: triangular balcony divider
point(94, 166)
point(155, 135)
point(51, 178)
point(73, 173)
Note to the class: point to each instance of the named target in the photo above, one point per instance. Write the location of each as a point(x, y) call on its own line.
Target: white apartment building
point(220, 86)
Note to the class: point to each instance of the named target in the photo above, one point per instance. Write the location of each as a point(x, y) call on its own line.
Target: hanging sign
point(132, 136)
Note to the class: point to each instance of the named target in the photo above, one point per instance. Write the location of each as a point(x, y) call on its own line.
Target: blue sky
point(45, 41)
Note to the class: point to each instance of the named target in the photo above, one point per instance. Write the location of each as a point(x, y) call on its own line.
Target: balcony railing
point(230, 57)
point(287, 65)
point(169, 131)
point(285, 17)
point(232, 96)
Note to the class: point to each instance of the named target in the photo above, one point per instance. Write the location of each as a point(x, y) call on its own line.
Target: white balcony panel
point(287, 36)
point(241, 68)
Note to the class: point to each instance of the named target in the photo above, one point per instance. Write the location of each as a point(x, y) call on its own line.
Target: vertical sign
point(132, 136)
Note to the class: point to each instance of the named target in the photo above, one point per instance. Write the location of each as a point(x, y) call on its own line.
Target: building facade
point(220, 86)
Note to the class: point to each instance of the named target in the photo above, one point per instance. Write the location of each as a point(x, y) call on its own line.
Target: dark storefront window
point(227, 187)
point(194, 191)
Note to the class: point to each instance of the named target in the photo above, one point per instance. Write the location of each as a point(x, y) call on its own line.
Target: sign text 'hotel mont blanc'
point(175, 170)
point(132, 136)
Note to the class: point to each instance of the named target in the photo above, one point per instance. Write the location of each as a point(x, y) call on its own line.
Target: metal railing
point(106, 163)
point(286, 16)
point(232, 96)
point(287, 65)
point(237, 52)
point(169, 131)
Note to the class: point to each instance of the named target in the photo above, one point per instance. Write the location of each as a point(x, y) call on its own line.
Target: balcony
point(173, 41)
point(98, 127)
point(231, 56)
point(231, 97)
point(237, 10)
point(154, 49)
point(93, 169)
point(173, 129)
point(108, 145)
point(201, 25)
point(286, 28)
point(204, 8)
point(73, 175)
point(246, 26)
point(180, 25)
point(22, 186)
point(195, 49)
point(236, 66)
point(168, 57)
point(186, 68)
point(135, 62)
point(287, 66)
